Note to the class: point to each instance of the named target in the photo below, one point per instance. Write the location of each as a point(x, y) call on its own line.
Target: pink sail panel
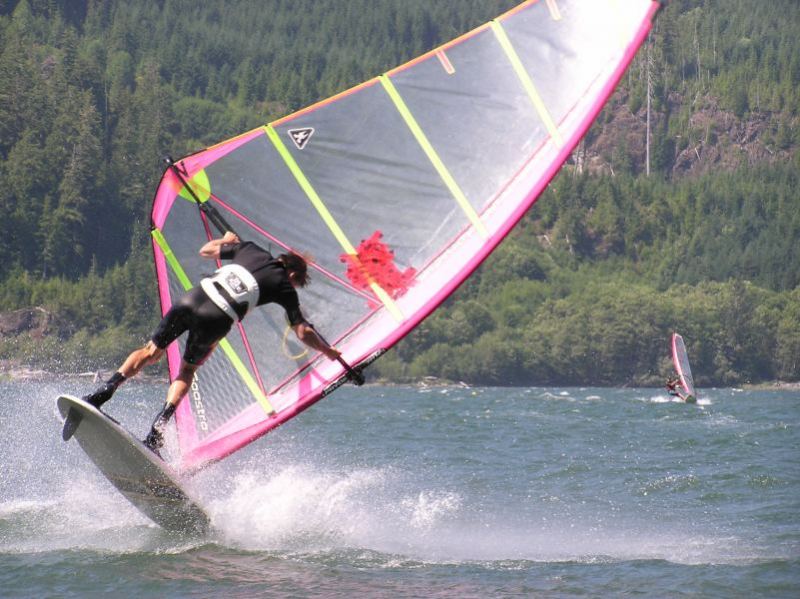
point(399, 188)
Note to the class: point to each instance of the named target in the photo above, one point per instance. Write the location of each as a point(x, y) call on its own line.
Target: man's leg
point(138, 359)
point(208, 325)
point(177, 390)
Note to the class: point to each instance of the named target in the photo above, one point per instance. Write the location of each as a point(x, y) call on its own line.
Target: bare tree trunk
point(714, 39)
point(580, 156)
point(697, 50)
point(649, 95)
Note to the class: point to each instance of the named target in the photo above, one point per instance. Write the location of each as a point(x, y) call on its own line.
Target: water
point(438, 492)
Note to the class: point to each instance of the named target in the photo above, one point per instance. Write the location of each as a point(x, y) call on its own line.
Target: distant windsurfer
point(252, 278)
point(672, 388)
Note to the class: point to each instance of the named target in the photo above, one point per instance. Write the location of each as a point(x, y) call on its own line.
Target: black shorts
point(206, 323)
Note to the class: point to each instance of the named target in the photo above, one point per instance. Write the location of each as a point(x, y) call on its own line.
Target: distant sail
point(681, 360)
point(399, 187)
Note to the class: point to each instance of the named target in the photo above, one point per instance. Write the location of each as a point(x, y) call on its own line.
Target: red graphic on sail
point(374, 264)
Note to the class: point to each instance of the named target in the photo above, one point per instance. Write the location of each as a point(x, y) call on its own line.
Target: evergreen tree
point(94, 93)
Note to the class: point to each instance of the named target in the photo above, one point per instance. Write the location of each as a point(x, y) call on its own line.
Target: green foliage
point(586, 289)
point(612, 331)
point(741, 52)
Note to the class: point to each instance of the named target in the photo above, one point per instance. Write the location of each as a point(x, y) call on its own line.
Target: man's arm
point(213, 247)
point(308, 336)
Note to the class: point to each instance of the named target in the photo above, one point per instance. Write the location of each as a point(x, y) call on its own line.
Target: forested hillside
point(679, 210)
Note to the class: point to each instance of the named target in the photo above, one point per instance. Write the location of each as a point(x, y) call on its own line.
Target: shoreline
point(773, 386)
point(17, 372)
point(29, 373)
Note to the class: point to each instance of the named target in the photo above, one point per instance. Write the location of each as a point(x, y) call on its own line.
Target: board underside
point(143, 478)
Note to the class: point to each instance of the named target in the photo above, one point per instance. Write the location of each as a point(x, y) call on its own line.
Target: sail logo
point(199, 409)
point(300, 137)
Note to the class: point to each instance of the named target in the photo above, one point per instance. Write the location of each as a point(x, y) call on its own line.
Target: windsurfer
point(672, 387)
point(252, 278)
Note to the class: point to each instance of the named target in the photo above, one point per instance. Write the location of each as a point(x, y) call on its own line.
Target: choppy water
point(404, 492)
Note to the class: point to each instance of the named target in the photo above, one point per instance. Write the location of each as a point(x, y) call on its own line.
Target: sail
point(399, 188)
point(681, 361)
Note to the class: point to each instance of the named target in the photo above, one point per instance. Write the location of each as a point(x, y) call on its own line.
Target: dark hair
point(297, 264)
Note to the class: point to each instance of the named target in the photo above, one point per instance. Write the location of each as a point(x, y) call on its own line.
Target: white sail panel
point(399, 188)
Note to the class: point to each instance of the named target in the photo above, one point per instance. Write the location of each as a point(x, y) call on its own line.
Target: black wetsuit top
point(272, 278)
point(207, 323)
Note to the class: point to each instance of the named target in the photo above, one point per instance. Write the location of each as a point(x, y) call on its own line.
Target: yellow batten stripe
point(527, 83)
point(553, 8)
point(171, 259)
point(326, 216)
point(437, 163)
point(224, 345)
point(248, 379)
point(616, 11)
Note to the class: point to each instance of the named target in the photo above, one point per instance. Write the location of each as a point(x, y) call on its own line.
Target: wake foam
point(384, 514)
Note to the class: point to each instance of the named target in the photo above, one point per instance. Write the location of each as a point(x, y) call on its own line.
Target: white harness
point(240, 285)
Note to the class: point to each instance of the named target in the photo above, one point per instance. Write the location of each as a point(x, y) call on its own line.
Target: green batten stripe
point(305, 184)
point(171, 259)
point(224, 345)
point(248, 379)
point(555, 14)
point(615, 8)
point(326, 216)
point(527, 83)
point(437, 163)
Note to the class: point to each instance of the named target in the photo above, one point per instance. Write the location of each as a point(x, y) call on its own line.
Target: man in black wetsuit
point(672, 388)
point(208, 311)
